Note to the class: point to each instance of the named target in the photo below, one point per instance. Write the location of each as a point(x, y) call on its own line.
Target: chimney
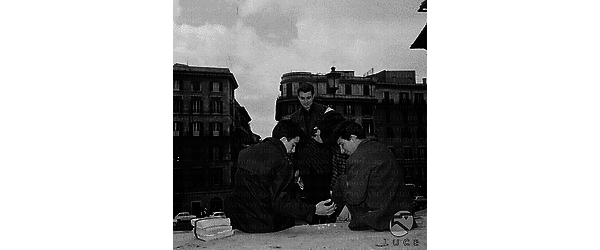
point(425, 80)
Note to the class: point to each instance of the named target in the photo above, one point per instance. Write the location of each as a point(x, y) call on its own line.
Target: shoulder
point(294, 116)
point(372, 149)
point(320, 107)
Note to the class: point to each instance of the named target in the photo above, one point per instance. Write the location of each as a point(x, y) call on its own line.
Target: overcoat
point(311, 157)
point(373, 187)
point(261, 200)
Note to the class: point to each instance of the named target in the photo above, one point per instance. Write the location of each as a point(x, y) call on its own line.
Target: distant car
point(421, 202)
point(183, 216)
point(217, 214)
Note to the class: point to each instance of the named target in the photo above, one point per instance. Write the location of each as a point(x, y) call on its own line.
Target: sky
point(259, 40)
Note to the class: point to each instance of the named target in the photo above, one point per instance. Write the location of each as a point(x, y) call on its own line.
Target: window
point(386, 96)
point(216, 128)
point(368, 127)
point(176, 128)
point(422, 153)
point(405, 117)
point(389, 132)
point(349, 110)
point(196, 106)
point(215, 176)
point(216, 106)
point(216, 153)
point(291, 109)
point(177, 104)
point(216, 87)
point(348, 89)
point(388, 116)
point(404, 97)
point(289, 90)
point(407, 153)
point(196, 86)
point(366, 90)
point(419, 97)
point(196, 129)
point(407, 171)
point(176, 84)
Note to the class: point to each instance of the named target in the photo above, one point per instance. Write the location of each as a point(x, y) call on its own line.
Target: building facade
point(401, 122)
point(209, 129)
point(390, 105)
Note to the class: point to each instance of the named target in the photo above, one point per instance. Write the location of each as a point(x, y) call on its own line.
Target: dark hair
point(330, 121)
point(287, 129)
point(306, 87)
point(347, 128)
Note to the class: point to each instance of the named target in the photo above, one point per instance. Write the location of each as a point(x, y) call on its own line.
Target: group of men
point(313, 165)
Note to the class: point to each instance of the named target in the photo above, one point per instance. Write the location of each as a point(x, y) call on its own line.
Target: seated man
point(261, 201)
point(373, 187)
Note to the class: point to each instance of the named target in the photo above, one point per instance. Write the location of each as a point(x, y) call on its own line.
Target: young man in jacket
point(312, 159)
point(373, 187)
point(261, 201)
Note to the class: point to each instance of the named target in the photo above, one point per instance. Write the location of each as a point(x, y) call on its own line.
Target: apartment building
point(209, 129)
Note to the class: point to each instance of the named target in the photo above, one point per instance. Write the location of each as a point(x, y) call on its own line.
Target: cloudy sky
point(259, 40)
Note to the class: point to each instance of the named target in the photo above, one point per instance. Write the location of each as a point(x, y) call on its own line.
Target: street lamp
point(333, 81)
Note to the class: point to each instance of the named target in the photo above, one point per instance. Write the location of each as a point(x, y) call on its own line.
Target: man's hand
point(317, 135)
point(323, 209)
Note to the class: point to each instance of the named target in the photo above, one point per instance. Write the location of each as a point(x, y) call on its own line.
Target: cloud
point(250, 7)
point(176, 10)
point(269, 38)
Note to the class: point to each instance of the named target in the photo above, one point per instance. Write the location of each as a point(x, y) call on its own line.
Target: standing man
point(261, 201)
point(312, 159)
point(373, 187)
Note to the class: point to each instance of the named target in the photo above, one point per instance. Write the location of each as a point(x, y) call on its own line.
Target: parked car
point(217, 214)
point(421, 202)
point(183, 216)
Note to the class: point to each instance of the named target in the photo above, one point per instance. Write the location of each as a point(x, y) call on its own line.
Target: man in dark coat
point(312, 159)
point(261, 201)
point(373, 187)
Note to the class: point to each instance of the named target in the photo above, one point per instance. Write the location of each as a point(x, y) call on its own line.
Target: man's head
point(289, 133)
point(306, 93)
point(349, 134)
point(327, 125)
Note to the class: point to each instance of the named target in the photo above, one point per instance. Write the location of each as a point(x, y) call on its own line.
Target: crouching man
point(373, 187)
point(261, 201)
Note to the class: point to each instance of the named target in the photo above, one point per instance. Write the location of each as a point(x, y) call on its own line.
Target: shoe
point(401, 223)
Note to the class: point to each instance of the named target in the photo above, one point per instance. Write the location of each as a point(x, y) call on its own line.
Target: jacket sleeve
point(281, 199)
point(355, 182)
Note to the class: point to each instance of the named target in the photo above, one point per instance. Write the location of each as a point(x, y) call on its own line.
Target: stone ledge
point(322, 236)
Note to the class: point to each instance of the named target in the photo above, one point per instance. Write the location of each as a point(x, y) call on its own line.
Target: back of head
point(306, 87)
point(328, 124)
point(287, 129)
point(347, 128)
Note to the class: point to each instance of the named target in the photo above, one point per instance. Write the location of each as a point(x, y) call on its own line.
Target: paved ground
point(323, 236)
